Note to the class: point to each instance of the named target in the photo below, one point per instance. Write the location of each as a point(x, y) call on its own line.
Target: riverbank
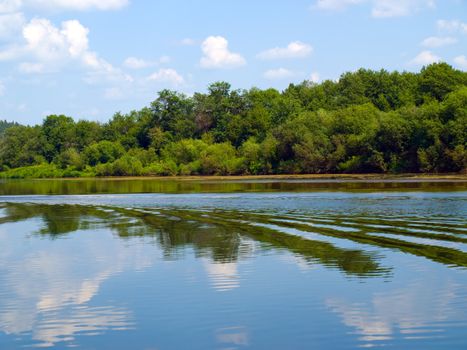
point(321, 177)
point(234, 184)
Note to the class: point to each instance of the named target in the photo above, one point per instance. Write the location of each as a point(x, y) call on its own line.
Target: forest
point(365, 122)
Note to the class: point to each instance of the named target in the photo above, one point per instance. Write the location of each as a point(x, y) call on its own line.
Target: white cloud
point(51, 48)
point(217, 54)
point(461, 61)
point(315, 77)
point(11, 24)
point(77, 37)
point(424, 58)
point(437, 41)
point(99, 70)
point(277, 74)
point(48, 43)
point(295, 49)
point(379, 8)
point(167, 75)
point(452, 26)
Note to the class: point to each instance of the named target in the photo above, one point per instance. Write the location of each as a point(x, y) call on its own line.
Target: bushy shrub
point(162, 168)
point(125, 166)
point(103, 152)
point(184, 151)
point(220, 159)
point(34, 171)
point(70, 157)
point(145, 156)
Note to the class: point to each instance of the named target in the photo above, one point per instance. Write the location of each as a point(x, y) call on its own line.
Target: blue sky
point(91, 58)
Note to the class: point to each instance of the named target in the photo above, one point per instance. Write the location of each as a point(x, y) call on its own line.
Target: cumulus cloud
point(277, 74)
point(53, 47)
point(437, 41)
point(379, 8)
point(461, 61)
point(101, 71)
point(295, 49)
point(424, 58)
point(167, 75)
point(217, 54)
point(47, 42)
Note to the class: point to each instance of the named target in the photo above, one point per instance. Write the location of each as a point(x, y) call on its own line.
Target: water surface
point(216, 185)
point(235, 267)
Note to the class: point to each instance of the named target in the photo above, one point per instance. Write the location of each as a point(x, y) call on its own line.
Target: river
point(244, 264)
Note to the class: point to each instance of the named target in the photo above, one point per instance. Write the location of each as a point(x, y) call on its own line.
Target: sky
point(89, 59)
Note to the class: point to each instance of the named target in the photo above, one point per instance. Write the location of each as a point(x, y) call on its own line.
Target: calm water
point(239, 265)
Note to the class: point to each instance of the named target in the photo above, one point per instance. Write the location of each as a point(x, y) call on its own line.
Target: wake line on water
point(351, 243)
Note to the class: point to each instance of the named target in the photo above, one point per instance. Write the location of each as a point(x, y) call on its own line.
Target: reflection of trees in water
point(91, 186)
point(213, 235)
point(221, 238)
point(172, 233)
point(176, 233)
point(220, 235)
point(57, 219)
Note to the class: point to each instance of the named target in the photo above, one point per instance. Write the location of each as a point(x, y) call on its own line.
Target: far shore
point(322, 177)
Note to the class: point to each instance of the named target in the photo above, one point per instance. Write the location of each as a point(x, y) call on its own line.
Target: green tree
point(439, 79)
point(103, 152)
point(21, 146)
point(70, 157)
point(59, 132)
point(173, 112)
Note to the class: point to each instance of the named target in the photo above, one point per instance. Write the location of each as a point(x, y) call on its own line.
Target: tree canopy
point(366, 121)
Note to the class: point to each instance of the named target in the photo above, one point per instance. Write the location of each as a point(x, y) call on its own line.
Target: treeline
point(366, 122)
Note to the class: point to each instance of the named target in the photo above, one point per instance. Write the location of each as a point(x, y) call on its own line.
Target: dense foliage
point(367, 121)
point(5, 125)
